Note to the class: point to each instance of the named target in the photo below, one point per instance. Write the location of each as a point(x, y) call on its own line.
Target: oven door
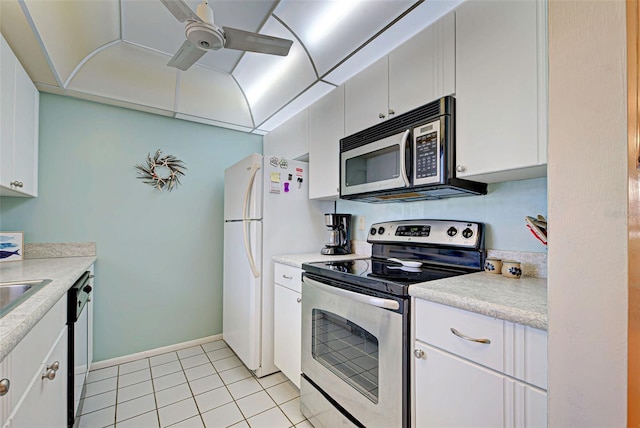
point(352, 350)
point(378, 165)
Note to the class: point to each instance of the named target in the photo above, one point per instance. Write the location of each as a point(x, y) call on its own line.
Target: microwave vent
point(432, 110)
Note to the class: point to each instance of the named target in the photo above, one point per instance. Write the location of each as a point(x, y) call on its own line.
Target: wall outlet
point(361, 221)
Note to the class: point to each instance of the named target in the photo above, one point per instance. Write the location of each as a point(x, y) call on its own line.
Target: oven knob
point(380, 230)
point(372, 231)
point(452, 231)
point(467, 233)
point(87, 289)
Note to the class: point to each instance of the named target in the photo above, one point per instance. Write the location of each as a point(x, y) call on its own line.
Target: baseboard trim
point(152, 352)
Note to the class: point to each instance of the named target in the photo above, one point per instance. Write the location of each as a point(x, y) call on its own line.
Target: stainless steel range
point(356, 320)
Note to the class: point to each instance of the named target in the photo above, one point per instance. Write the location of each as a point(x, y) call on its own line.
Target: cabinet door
point(453, 392)
point(25, 154)
point(423, 69)
point(45, 404)
point(287, 332)
point(366, 97)
point(326, 128)
point(500, 90)
point(535, 408)
point(7, 102)
point(289, 140)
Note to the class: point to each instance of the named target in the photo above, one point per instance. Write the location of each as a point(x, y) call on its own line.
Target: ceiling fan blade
point(186, 56)
point(254, 42)
point(180, 10)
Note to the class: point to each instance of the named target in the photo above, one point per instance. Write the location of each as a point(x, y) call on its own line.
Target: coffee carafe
point(338, 240)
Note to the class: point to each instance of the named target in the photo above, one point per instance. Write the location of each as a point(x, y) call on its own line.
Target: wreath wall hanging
point(161, 171)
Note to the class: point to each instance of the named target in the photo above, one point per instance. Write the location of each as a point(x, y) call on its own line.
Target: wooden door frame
point(633, 123)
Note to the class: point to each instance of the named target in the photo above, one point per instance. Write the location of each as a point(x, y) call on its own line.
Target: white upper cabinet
point(326, 128)
point(366, 97)
point(417, 72)
point(501, 90)
point(18, 127)
point(423, 69)
point(290, 140)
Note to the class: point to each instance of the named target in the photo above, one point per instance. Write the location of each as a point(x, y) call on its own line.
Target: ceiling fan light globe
point(205, 37)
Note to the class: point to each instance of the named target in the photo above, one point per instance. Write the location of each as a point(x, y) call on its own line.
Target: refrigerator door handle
point(247, 247)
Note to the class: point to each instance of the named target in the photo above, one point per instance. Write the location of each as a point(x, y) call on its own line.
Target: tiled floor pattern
point(201, 386)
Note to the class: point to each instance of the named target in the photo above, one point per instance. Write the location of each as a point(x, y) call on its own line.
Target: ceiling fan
point(203, 35)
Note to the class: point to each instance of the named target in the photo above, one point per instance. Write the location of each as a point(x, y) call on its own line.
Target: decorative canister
point(492, 265)
point(511, 269)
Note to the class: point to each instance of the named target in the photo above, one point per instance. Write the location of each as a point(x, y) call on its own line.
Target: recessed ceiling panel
point(270, 81)
point(149, 23)
point(17, 32)
point(129, 73)
point(214, 95)
point(411, 24)
point(71, 30)
point(332, 29)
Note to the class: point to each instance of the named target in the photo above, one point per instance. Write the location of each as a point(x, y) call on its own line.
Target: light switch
point(361, 222)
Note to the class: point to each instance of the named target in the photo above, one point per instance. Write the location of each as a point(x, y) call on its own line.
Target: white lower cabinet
point(45, 404)
point(287, 329)
point(494, 376)
point(37, 372)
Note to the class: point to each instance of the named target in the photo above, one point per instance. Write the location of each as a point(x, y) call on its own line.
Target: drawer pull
point(471, 339)
point(418, 353)
point(55, 366)
point(299, 299)
point(287, 277)
point(50, 374)
point(4, 386)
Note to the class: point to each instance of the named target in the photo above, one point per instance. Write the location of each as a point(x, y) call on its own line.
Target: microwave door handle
point(362, 298)
point(403, 162)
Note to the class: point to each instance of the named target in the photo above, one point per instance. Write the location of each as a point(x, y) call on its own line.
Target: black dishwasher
point(78, 352)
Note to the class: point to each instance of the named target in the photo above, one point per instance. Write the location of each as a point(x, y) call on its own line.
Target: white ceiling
point(116, 51)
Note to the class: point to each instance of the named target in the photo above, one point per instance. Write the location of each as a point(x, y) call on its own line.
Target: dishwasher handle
point(357, 297)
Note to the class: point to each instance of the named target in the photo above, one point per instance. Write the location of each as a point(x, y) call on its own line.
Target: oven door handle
point(362, 298)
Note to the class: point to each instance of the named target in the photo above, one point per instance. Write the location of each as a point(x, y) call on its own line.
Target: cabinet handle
point(50, 374)
point(299, 299)
point(418, 353)
point(381, 116)
point(471, 339)
point(17, 183)
point(461, 168)
point(4, 386)
point(391, 112)
point(55, 366)
point(287, 277)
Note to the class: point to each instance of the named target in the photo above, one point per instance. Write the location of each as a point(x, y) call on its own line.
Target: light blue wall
point(502, 209)
point(159, 269)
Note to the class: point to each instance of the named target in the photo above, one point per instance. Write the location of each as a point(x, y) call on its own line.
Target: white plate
point(406, 263)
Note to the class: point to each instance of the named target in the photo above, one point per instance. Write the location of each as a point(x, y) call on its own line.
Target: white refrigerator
point(267, 212)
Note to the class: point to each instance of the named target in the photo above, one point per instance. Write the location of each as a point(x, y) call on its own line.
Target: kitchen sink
point(14, 293)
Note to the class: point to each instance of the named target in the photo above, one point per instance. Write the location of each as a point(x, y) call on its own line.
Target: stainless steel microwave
point(409, 157)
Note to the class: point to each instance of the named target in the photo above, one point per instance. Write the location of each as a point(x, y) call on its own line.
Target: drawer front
point(29, 355)
point(434, 324)
point(288, 276)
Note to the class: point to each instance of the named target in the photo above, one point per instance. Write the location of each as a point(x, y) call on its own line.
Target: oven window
point(383, 164)
point(347, 350)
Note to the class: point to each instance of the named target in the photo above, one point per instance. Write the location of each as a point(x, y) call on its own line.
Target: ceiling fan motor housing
point(204, 36)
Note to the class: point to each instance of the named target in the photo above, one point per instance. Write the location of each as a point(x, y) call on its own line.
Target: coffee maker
point(338, 234)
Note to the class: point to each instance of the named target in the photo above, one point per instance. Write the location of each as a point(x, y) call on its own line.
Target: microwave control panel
point(426, 153)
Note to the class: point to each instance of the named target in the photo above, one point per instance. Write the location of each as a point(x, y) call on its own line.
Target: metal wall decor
point(161, 171)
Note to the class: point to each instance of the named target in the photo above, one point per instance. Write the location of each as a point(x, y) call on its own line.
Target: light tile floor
point(201, 386)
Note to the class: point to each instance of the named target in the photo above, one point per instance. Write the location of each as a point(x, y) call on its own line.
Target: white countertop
point(522, 301)
point(296, 260)
point(62, 272)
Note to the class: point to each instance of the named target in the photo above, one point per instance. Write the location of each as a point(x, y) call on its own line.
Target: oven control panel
point(434, 232)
